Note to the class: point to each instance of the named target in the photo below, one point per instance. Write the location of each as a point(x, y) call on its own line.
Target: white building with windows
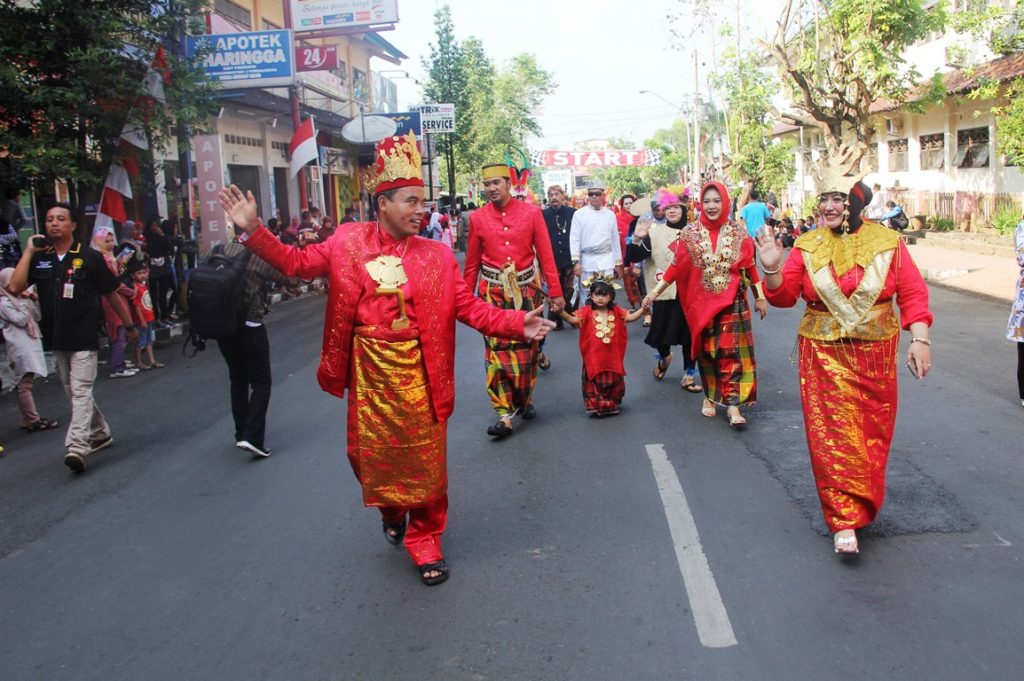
point(944, 162)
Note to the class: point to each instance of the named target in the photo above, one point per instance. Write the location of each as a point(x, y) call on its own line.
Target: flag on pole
point(157, 76)
point(303, 147)
point(117, 187)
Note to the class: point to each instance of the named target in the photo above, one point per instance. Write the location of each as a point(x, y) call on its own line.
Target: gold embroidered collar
point(822, 247)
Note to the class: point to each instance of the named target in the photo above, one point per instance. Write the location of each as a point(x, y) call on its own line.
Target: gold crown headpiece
point(399, 164)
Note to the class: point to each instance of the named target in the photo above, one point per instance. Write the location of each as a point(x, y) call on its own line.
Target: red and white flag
point(116, 189)
point(303, 147)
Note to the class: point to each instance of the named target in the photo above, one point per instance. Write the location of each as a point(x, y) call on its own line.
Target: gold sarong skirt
point(397, 448)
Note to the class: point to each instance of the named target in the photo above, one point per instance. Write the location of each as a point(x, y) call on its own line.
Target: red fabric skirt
point(849, 394)
point(604, 392)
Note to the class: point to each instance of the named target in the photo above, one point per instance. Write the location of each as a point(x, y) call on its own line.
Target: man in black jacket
point(558, 218)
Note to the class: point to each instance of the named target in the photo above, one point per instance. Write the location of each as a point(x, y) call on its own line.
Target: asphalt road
point(176, 556)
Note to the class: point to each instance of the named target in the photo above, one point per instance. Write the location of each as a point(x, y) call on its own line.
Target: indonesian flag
point(117, 187)
point(157, 76)
point(303, 147)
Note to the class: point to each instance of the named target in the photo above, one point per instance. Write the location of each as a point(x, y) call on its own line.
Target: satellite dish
point(368, 129)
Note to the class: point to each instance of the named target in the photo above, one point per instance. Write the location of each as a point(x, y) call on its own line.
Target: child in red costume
point(603, 339)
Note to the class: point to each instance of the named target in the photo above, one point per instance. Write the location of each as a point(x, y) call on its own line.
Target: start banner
point(596, 159)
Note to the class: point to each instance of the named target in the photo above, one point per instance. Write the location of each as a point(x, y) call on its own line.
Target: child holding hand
point(603, 339)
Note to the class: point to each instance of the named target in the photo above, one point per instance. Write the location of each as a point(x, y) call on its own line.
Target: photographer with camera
point(70, 280)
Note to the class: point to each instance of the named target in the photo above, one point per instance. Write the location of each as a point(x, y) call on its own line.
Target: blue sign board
point(408, 121)
point(244, 60)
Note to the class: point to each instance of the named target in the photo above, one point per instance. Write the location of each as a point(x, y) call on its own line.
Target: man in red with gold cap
point(389, 342)
point(507, 238)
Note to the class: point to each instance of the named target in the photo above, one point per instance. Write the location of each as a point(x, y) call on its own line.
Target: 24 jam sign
point(318, 58)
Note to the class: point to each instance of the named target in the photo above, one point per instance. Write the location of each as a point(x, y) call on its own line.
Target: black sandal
point(399, 532)
point(543, 363)
point(41, 424)
point(499, 430)
point(436, 566)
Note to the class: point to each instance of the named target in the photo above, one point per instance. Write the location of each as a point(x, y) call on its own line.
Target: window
point(869, 164)
point(341, 72)
point(360, 85)
point(270, 25)
point(933, 151)
point(898, 155)
point(971, 148)
point(232, 11)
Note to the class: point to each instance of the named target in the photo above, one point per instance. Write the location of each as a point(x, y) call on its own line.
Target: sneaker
point(76, 462)
point(97, 445)
point(128, 364)
point(124, 373)
point(253, 449)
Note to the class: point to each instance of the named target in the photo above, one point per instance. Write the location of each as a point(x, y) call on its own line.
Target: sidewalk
point(994, 276)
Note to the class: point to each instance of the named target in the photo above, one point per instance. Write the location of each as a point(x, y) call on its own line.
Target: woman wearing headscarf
point(103, 242)
point(652, 244)
point(850, 273)
point(19, 318)
point(713, 268)
point(624, 218)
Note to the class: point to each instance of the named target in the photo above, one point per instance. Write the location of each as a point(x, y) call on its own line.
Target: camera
point(41, 241)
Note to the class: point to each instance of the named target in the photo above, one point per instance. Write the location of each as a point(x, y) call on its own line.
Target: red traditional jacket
point(515, 234)
point(434, 280)
point(700, 299)
point(903, 281)
point(597, 355)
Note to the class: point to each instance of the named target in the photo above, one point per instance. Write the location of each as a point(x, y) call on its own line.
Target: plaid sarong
point(511, 365)
point(726, 360)
point(603, 393)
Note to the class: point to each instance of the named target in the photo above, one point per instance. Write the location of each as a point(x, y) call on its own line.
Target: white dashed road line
point(713, 626)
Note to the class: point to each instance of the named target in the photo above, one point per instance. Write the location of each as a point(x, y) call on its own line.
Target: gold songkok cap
point(494, 170)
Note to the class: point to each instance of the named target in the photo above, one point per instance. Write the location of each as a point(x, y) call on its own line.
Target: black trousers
point(1020, 369)
point(159, 289)
point(248, 359)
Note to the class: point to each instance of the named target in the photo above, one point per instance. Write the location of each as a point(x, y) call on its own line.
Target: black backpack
point(216, 297)
point(899, 222)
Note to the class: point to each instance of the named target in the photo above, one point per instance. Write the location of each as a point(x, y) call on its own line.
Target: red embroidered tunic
point(699, 303)
point(434, 282)
point(515, 234)
point(599, 356)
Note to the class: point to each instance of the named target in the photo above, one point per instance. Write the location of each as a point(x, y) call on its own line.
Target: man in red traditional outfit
point(506, 239)
point(389, 341)
point(850, 273)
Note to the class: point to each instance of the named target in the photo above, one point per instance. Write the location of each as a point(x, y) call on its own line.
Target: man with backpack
point(236, 295)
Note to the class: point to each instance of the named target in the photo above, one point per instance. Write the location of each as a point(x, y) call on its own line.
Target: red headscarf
point(723, 217)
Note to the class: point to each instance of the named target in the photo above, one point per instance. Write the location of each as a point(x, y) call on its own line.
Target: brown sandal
point(661, 368)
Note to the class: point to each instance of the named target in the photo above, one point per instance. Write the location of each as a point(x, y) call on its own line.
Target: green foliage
point(755, 157)
point(494, 106)
point(1005, 220)
point(1000, 25)
point(836, 57)
point(71, 74)
point(942, 224)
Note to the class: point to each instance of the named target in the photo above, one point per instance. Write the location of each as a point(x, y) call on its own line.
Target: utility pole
point(696, 122)
point(184, 135)
point(293, 95)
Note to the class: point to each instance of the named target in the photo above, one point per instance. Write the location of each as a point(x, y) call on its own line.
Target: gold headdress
point(399, 164)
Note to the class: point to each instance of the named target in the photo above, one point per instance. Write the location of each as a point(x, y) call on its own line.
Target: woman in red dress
point(850, 271)
point(713, 268)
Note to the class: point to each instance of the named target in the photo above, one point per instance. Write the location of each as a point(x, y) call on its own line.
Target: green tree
point(71, 74)
point(836, 57)
point(446, 78)
point(754, 158)
point(494, 107)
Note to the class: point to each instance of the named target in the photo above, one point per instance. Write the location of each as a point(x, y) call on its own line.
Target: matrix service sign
point(436, 117)
point(242, 60)
point(321, 15)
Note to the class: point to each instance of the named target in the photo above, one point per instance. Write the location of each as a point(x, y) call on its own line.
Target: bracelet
point(921, 340)
point(771, 272)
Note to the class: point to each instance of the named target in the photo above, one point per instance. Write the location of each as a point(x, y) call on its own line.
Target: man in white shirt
point(594, 240)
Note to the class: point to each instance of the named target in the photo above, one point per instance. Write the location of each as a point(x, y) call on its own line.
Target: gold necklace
point(604, 327)
point(715, 263)
point(387, 270)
